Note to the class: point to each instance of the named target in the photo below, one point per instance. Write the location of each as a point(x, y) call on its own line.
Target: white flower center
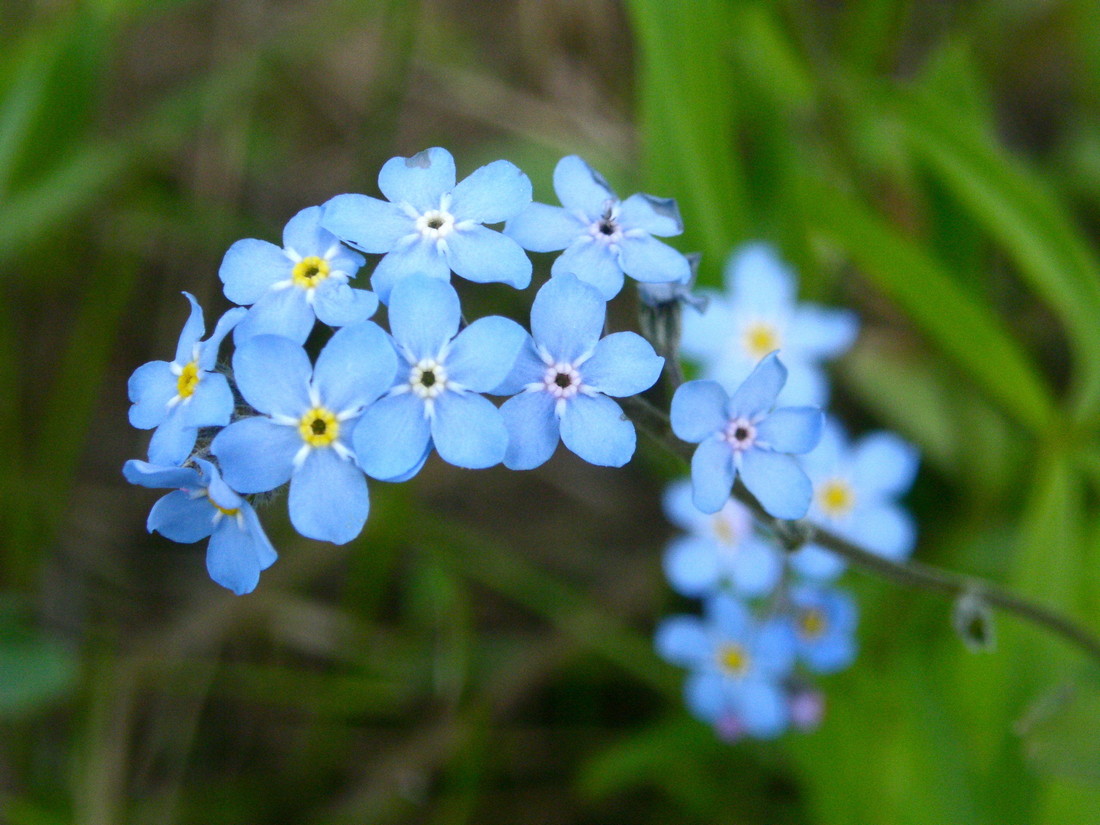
point(562, 380)
point(607, 229)
point(740, 434)
point(428, 378)
point(435, 224)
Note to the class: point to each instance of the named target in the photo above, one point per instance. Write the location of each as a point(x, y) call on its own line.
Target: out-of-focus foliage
point(483, 652)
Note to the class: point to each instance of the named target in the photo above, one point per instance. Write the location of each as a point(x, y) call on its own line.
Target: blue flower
point(204, 505)
point(563, 376)
point(304, 432)
point(603, 237)
point(289, 287)
point(759, 314)
point(180, 397)
point(824, 623)
point(737, 666)
point(855, 495)
point(434, 227)
point(436, 400)
point(718, 549)
point(744, 435)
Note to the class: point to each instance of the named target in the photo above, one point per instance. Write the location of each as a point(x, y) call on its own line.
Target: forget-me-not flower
point(743, 435)
point(759, 313)
point(564, 375)
point(289, 287)
point(304, 432)
point(603, 237)
point(441, 373)
point(179, 397)
point(203, 505)
point(431, 226)
point(824, 622)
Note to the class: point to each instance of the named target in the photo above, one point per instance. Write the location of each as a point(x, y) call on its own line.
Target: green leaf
point(1058, 732)
point(35, 669)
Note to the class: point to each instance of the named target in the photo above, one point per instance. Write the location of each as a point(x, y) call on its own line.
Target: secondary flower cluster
point(771, 619)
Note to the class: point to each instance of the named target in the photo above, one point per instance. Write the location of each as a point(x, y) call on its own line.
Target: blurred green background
point(482, 653)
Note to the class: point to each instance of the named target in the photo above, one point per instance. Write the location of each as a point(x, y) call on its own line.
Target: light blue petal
point(356, 366)
point(408, 259)
point(649, 260)
point(729, 617)
point(150, 388)
point(528, 368)
point(391, 436)
point(345, 260)
point(819, 333)
point(807, 386)
point(581, 188)
point(815, 562)
point(567, 318)
point(705, 696)
point(831, 654)
point(468, 431)
point(303, 233)
point(758, 392)
point(424, 315)
point(829, 457)
point(624, 364)
point(777, 482)
point(656, 216)
point(265, 552)
point(595, 428)
point(157, 476)
point(208, 358)
point(755, 569)
point(486, 257)
point(594, 263)
point(533, 430)
point(179, 517)
point(221, 495)
point(415, 469)
point(712, 475)
point(272, 373)
point(691, 565)
point(760, 281)
point(774, 647)
point(492, 194)
point(683, 641)
point(887, 530)
point(250, 267)
point(339, 305)
point(328, 498)
point(763, 708)
point(172, 441)
point(884, 465)
point(191, 333)
point(420, 180)
point(484, 353)
point(367, 223)
point(698, 410)
point(282, 312)
point(255, 455)
point(231, 558)
point(544, 228)
point(210, 405)
point(681, 510)
point(706, 334)
point(791, 429)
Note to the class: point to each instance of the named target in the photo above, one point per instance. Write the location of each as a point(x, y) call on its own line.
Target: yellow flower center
point(811, 623)
point(760, 339)
point(835, 497)
point(309, 272)
point(723, 530)
point(733, 659)
point(318, 427)
point(188, 380)
point(224, 511)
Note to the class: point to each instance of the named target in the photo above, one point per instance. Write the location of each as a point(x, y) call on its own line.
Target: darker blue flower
point(824, 622)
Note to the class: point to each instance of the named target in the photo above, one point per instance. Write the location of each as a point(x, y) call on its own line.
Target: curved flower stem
point(909, 574)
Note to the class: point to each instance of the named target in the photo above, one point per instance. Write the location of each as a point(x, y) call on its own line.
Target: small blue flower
point(824, 623)
point(291, 286)
point(308, 418)
point(178, 398)
point(431, 226)
point(718, 549)
point(563, 376)
point(744, 435)
point(855, 495)
point(737, 666)
point(759, 314)
point(603, 237)
point(204, 505)
point(436, 400)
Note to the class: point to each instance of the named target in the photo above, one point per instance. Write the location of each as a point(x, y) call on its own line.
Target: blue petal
point(755, 569)
point(758, 392)
point(656, 216)
point(831, 654)
point(763, 708)
point(391, 436)
point(172, 441)
point(356, 366)
point(328, 498)
point(818, 333)
point(567, 318)
point(424, 315)
point(594, 263)
point(760, 281)
point(729, 617)
point(774, 647)
point(712, 475)
point(484, 256)
point(698, 410)
point(691, 565)
point(231, 558)
point(527, 369)
point(339, 305)
point(468, 431)
point(284, 312)
point(705, 695)
point(492, 194)
point(210, 405)
point(157, 476)
point(807, 385)
point(624, 364)
point(532, 430)
point(886, 530)
point(420, 180)
point(256, 455)
point(815, 562)
point(151, 387)
point(683, 641)
point(180, 517)
point(367, 223)
point(250, 267)
point(191, 333)
point(303, 234)
point(221, 495)
point(884, 464)
point(791, 429)
point(407, 259)
point(272, 373)
point(544, 228)
point(581, 188)
point(483, 354)
point(651, 261)
point(265, 552)
point(680, 509)
point(208, 358)
point(595, 428)
point(777, 482)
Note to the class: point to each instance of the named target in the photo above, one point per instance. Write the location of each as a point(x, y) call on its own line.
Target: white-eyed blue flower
point(304, 432)
point(758, 314)
point(291, 286)
point(717, 549)
point(431, 226)
point(744, 435)
point(737, 665)
point(179, 397)
point(824, 622)
point(855, 495)
point(564, 375)
point(440, 375)
point(203, 505)
point(603, 237)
